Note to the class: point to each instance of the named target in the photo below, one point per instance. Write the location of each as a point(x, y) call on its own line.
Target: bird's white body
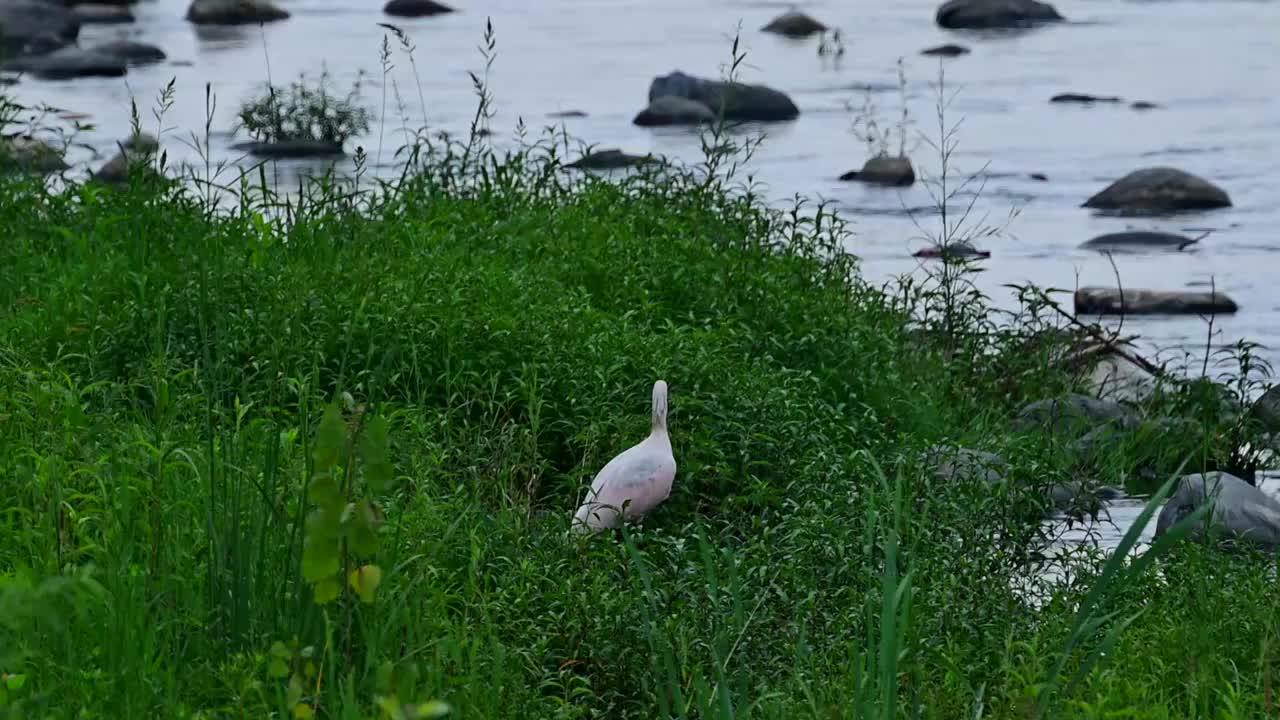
point(641, 474)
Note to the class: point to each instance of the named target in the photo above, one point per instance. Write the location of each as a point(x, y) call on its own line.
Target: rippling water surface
point(1211, 67)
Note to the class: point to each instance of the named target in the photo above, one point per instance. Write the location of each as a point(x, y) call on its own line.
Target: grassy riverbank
point(164, 374)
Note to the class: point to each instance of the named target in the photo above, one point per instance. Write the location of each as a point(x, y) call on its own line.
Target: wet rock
point(289, 149)
point(1159, 189)
point(133, 53)
point(1139, 240)
point(948, 50)
point(669, 110)
point(965, 465)
point(610, 159)
point(1083, 99)
point(1143, 105)
point(794, 24)
point(415, 8)
point(1135, 301)
point(67, 63)
point(1040, 177)
point(953, 250)
point(234, 12)
point(567, 114)
point(135, 153)
point(995, 14)
point(884, 170)
point(103, 14)
point(27, 154)
point(740, 101)
point(44, 44)
point(1078, 497)
point(1074, 413)
point(1241, 511)
point(1266, 410)
point(24, 21)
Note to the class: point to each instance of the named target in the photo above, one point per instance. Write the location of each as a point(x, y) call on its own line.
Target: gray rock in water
point(233, 12)
point(135, 153)
point(1139, 240)
point(567, 114)
point(670, 110)
point(1266, 410)
point(884, 170)
point(1159, 189)
point(103, 14)
point(953, 250)
point(1080, 497)
point(24, 21)
point(794, 24)
point(69, 62)
point(1082, 98)
point(1143, 105)
point(610, 159)
point(1241, 511)
point(285, 149)
point(26, 154)
point(948, 50)
point(995, 14)
point(133, 53)
point(952, 463)
point(1134, 301)
point(740, 101)
point(1075, 412)
point(415, 8)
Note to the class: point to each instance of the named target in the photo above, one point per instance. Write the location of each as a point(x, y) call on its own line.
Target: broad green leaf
point(373, 450)
point(363, 530)
point(294, 695)
point(324, 523)
point(330, 437)
point(277, 668)
point(303, 712)
point(4, 697)
point(433, 709)
point(390, 707)
point(327, 591)
point(15, 682)
point(279, 650)
point(365, 581)
point(319, 559)
point(324, 489)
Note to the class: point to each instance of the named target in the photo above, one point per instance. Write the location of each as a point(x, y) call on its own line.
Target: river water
point(1211, 68)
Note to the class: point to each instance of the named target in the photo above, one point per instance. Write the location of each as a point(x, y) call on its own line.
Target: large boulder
point(965, 465)
point(1159, 189)
point(1136, 301)
point(610, 159)
point(135, 153)
point(1075, 414)
point(415, 8)
point(1241, 511)
point(894, 171)
point(233, 12)
point(994, 14)
point(67, 63)
point(740, 101)
point(27, 154)
point(794, 24)
point(24, 21)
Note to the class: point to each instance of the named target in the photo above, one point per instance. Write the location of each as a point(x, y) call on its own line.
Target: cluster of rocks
point(40, 39)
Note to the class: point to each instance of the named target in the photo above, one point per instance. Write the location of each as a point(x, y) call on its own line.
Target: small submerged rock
point(103, 14)
point(953, 250)
point(234, 12)
point(1143, 105)
point(610, 159)
point(948, 50)
point(67, 63)
point(1241, 511)
point(133, 53)
point(1081, 98)
point(1139, 240)
point(740, 101)
point(995, 14)
point(669, 110)
point(1159, 189)
point(415, 8)
point(1133, 301)
point(884, 170)
point(794, 24)
point(289, 149)
point(567, 114)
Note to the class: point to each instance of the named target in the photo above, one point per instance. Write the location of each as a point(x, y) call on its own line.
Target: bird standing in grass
point(642, 474)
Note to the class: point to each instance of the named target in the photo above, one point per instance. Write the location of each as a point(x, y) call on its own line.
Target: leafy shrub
point(305, 112)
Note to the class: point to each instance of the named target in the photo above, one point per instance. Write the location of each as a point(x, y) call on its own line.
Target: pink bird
point(642, 474)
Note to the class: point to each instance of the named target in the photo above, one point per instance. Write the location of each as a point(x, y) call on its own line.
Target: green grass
point(165, 369)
